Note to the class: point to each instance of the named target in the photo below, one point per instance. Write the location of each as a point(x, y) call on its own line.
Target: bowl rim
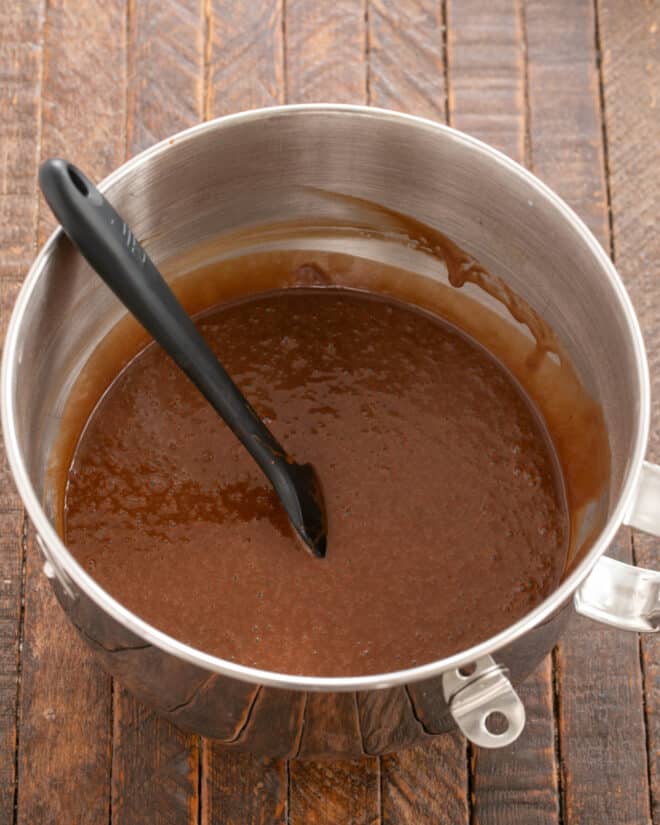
point(65, 561)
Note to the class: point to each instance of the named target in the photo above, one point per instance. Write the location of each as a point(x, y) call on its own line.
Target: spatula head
point(305, 507)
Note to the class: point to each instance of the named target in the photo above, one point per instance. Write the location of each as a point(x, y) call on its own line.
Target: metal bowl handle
point(619, 594)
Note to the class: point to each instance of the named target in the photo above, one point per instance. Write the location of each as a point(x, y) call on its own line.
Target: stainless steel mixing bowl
point(266, 166)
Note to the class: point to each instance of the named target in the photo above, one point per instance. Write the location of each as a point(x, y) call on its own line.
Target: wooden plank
point(426, 785)
point(334, 792)
point(354, 784)
point(65, 743)
point(20, 51)
point(65, 710)
point(565, 128)
point(487, 94)
point(406, 69)
point(646, 555)
point(630, 51)
point(241, 789)
point(165, 70)
point(486, 60)
point(245, 55)
point(518, 785)
point(601, 726)
point(11, 562)
point(21, 27)
point(325, 51)
point(84, 83)
point(155, 766)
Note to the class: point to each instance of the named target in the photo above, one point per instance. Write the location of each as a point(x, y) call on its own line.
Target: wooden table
point(566, 87)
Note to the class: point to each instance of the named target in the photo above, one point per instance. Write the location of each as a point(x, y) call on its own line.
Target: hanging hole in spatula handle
point(96, 228)
point(77, 180)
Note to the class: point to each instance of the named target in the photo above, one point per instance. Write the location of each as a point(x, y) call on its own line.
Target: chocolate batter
point(446, 512)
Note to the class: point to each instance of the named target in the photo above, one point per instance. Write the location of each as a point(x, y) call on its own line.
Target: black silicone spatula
point(111, 248)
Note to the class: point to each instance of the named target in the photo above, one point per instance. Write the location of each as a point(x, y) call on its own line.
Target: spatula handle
point(113, 251)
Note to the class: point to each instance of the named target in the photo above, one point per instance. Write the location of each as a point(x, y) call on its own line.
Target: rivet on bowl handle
point(620, 594)
point(484, 704)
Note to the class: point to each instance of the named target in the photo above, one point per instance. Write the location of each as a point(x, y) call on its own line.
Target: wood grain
point(11, 561)
point(21, 26)
point(601, 726)
point(84, 88)
point(426, 785)
point(487, 98)
point(518, 785)
point(334, 793)
point(565, 127)
point(600, 722)
point(406, 70)
point(155, 765)
point(245, 55)
point(325, 51)
point(165, 69)
point(486, 60)
point(241, 789)
point(65, 714)
point(630, 47)
point(20, 55)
